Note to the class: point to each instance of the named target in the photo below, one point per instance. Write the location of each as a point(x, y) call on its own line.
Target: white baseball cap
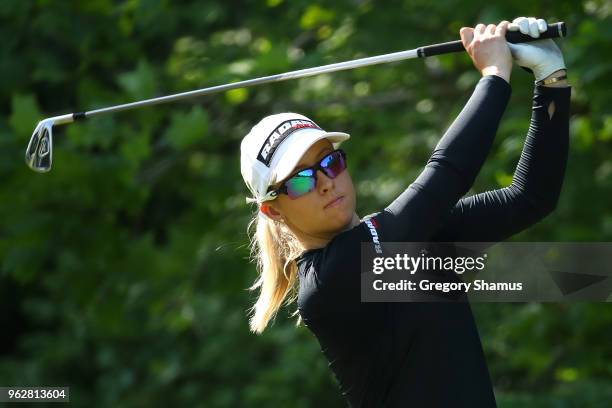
point(274, 146)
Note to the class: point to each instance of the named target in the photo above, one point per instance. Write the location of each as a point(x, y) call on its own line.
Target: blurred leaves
point(24, 113)
point(140, 83)
point(186, 129)
point(314, 16)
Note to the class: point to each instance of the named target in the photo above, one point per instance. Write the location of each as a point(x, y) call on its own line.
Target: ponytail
point(274, 249)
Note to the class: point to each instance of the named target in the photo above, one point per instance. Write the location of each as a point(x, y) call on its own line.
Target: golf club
point(39, 153)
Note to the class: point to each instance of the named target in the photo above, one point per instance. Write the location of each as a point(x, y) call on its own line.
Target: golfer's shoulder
point(349, 241)
point(343, 250)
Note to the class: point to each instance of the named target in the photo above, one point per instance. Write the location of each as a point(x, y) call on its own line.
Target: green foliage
point(123, 272)
point(187, 129)
point(24, 111)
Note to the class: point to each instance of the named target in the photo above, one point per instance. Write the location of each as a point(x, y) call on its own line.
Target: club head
point(39, 153)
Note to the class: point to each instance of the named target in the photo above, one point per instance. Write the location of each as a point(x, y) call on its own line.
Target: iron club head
point(39, 154)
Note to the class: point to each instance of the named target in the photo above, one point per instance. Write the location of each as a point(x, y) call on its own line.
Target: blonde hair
point(274, 249)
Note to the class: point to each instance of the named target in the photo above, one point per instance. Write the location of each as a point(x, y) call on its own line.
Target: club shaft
point(302, 73)
point(553, 31)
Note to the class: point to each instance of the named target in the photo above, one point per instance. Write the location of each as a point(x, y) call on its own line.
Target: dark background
point(123, 271)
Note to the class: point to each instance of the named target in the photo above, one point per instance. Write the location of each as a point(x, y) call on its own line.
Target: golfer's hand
point(541, 57)
point(488, 49)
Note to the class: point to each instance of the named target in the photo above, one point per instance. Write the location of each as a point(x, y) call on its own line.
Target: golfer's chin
point(340, 219)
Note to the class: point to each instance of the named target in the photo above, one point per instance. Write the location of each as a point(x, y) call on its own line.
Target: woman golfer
point(308, 236)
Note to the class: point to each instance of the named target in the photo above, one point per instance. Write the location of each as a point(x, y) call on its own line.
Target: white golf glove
point(541, 57)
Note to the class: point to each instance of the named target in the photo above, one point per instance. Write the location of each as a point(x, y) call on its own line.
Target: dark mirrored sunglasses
point(305, 180)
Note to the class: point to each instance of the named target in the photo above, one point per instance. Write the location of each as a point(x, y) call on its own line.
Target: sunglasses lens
point(305, 181)
point(300, 184)
point(334, 164)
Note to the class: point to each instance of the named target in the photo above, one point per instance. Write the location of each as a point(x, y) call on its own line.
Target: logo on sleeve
point(372, 225)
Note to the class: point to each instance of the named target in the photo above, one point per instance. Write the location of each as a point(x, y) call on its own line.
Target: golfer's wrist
point(495, 70)
point(559, 84)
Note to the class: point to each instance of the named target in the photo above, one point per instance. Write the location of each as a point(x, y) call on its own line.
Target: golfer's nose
point(324, 183)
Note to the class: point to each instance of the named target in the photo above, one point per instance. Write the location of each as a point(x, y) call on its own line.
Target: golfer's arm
point(495, 215)
point(452, 168)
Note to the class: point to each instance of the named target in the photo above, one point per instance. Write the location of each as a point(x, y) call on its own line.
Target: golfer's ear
point(467, 35)
point(268, 210)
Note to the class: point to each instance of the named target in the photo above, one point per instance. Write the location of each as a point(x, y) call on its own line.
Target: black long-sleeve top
point(428, 354)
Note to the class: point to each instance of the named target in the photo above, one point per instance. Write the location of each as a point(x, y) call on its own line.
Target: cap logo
point(279, 134)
